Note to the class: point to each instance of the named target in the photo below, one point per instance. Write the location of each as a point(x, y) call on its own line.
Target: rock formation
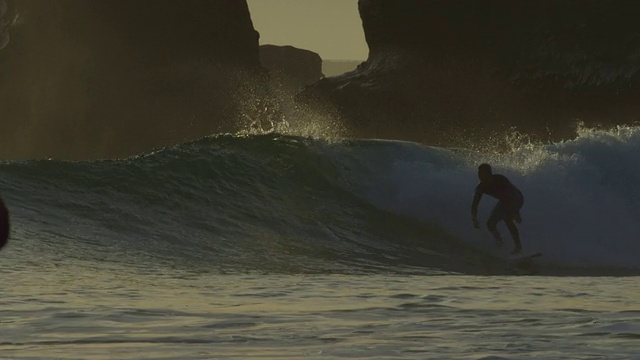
point(338, 67)
point(95, 78)
point(442, 71)
point(290, 66)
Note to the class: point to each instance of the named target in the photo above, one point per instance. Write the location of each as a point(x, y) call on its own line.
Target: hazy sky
point(331, 28)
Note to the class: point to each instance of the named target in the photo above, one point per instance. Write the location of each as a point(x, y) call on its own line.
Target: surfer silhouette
point(510, 201)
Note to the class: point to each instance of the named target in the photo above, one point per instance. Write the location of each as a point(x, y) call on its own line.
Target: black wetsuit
point(510, 198)
point(510, 201)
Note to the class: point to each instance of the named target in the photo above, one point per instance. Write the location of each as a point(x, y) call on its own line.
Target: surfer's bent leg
point(515, 234)
point(496, 215)
point(513, 214)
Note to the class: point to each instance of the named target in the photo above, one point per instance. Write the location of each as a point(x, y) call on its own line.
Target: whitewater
point(278, 246)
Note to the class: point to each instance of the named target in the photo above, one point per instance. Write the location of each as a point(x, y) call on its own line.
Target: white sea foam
point(582, 202)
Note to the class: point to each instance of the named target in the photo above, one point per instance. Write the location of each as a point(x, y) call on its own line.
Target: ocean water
point(288, 247)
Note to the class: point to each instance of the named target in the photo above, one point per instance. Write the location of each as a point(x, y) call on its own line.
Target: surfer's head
point(484, 172)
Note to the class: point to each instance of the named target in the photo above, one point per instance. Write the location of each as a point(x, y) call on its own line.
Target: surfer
point(510, 201)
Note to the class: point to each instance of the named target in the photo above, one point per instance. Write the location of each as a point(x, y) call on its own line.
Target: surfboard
point(524, 264)
point(520, 257)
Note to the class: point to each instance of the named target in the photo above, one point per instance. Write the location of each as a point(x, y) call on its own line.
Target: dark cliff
point(93, 78)
point(444, 70)
point(290, 66)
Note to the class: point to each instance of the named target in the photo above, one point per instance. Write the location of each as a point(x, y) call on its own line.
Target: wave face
point(285, 204)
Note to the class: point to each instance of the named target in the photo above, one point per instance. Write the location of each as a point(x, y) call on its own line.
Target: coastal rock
point(290, 66)
point(338, 67)
point(447, 72)
point(94, 78)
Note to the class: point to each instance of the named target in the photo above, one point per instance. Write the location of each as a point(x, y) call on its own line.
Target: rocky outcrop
point(94, 78)
point(444, 70)
point(339, 67)
point(291, 67)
